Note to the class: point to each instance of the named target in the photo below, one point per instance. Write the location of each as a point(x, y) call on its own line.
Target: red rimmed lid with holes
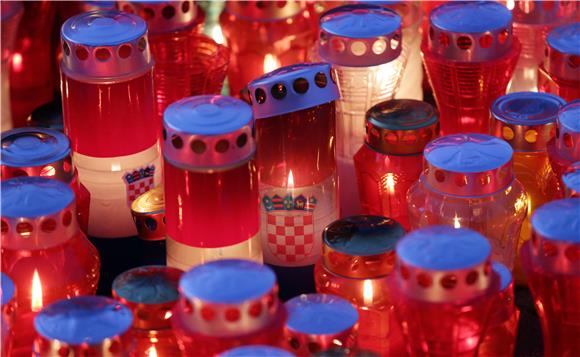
point(444, 264)
point(474, 31)
point(563, 53)
point(105, 46)
point(228, 298)
point(37, 213)
point(264, 10)
point(568, 133)
point(556, 236)
point(164, 16)
point(148, 212)
point(360, 35)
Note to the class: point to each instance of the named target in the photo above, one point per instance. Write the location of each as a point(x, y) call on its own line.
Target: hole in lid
point(65, 48)
point(19, 173)
point(294, 343)
point(115, 346)
point(281, 4)
point(67, 218)
point(102, 54)
point(443, 40)
point(391, 137)
point(557, 133)
point(125, 51)
point(255, 309)
point(449, 281)
point(374, 132)
point(48, 225)
point(128, 9)
point(63, 351)
point(232, 314)
point(549, 249)
point(260, 95)
point(151, 224)
point(320, 80)
point(300, 85)
point(278, 91)
point(242, 140)
point(460, 180)
point(48, 171)
point(222, 146)
point(358, 48)
point(142, 44)
point(574, 61)
point(81, 53)
point(531, 136)
point(485, 180)
point(4, 227)
point(507, 133)
point(313, 347)
point(439, 176)
point(568, 140)
point(185, 7)
point(471, 278)
point(207, 313)
point(147, 13)
point(572, 253)
point(405, 272)
point(198, 146)
point(164, 134)
point(379, 46)
point(168, 12)
point(503, 36)
point(485, 41)
point(337, 44)
point(395, 41)
point(24, 229)
point(487, 268)
point(176, 141)
point(464, 42)
point(424, 280)
point(261, 4)
point(431, 33)
point(409, 138)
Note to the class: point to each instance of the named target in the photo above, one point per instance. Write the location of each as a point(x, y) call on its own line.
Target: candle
point(564, 149)
point(391, 158)
point(468, 182)
point(358, 255)
point(560, 72)
point(150, 292)
point(225, 304)
point(571, 181)
point(469, 62)
point(211, 184)
point(43, 250)
point(550, 262)
point(109, 115)
point(319, 321)
point(256, 350)
point(443, 290)
point(263, 36)
point(363, 43)
point(83, 326)
point(43, 152)
point(11, 15)
point(7, 319)
point(295, 123)
point(149, 215)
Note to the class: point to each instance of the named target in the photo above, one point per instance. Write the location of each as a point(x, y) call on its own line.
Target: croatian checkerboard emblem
point(138, 182)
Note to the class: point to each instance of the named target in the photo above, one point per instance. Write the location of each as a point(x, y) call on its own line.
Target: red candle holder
point(571, 181)
point(43, 152)
point(550, 261)
point(225, 304)
point(150, 292)
point(295, 131)
point(444, 290)
point(469, 62)
point(208, 148)
point(319, 321)
point(43, 250)
point(149, 214)
point(263, 36)
point(8, 306)
point(560, 72)
point(107, 68)
point(358, 255)
point(564, 149)
point(391, 158)
point(83, 326)
point(468, 182)
point(256, 350)
point(11, 15)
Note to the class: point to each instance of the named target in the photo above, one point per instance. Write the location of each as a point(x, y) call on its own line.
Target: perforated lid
point(360, 35)
point(37, 213)
point(99, 5)
point(443, 264)
point(228, 297)
point(401, 126)
point(563, 52)
point(292, 88)
point(150, 292)
point(90, 320)
point(468, 164)
point(556, 236)
point(148, 212)
point(361, 246)
point(571, 180)
point(568, 134)
point(255, 351)
point(208, 131)
point(471, 31)
point(264, 10)
point(105, 45)
point(526, 120)
point(539, 12)
point(163, 16)
point(8, 289)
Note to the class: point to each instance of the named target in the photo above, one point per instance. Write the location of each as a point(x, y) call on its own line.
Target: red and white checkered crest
point(290, 235)
point(138, 188)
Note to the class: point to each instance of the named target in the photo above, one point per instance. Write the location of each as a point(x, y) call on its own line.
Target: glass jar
point(468, 182)
point(11, 15)
point(391, 158)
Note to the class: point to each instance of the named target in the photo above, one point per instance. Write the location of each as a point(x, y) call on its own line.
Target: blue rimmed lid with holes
point(149, 285)
point(33, 197)
point(360, 35)
point(527, 108)
point(163, 16)
point(569, 116)
point(255, 351)
point(558, 220)
point(292, 88)
point(84, 319)
point(563, 53)
point(8, 289)
point(208, 131)
point(571, 180)
point(27, 147)
point(568, 138)
point(320, 315)
point(565, 39)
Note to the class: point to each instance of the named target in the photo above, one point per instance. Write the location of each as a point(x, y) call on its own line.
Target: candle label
point(138, 182)
point(293, 220)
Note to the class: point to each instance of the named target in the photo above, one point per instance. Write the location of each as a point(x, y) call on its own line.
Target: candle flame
point(368, 292)
point(456, 223)
point(36, 302)
point(390, 183)
point(217, 35)
point(17, 62)
point(270, 63)
point(151, 352)
point(290, 180)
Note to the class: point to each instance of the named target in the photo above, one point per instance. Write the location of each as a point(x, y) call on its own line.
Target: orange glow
point(456, 223)
point(270, 63)
point(47, 171)
point(290, 180)
point(368, 292)
point(36, 301)
point(390, 183)
point(151, 352)
point(17, 62)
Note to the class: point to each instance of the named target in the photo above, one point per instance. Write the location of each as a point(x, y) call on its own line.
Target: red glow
point(17, 62)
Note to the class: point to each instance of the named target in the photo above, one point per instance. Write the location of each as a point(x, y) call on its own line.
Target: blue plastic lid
point(84, 319)
point(256, 351)
point(569, 116)
point(320, 314)
point(468, 153)
point(28, 147)
point(402, 114)
point(207, 115)
point(360, 21)
point(558, 220)
point(527, 108)
point(565, 39)
point(471, 17)
point(148, 285)
point(8, 288)
point(103, 28)
point(34, 197)
point(571, 179)
point(505, 275)
point(443, 248)
point(228, 281)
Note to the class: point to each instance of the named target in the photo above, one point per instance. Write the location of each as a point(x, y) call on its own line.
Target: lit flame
point(17, 62)
point(151, 352)
point(270, 63)
point(36, 302)
point(368, 292)
point(217, 35)
point(390, 183)
point(510, 4)
point(456, 223)
point(48, 171)
point(290, 180)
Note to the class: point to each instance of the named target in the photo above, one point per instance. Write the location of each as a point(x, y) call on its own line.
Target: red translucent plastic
point(31, 72)
point(559, 162)
point(383, 182)
point(567, 89)
point(83, 203)
point(557, 299)
point(200, 345)
point(287, 41)
point(464, 91)
point(110, 120)
point(160, 343)
point(500, 336)
point(210, 210)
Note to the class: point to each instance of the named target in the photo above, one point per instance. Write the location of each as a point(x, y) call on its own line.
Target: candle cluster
point(333, 204)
